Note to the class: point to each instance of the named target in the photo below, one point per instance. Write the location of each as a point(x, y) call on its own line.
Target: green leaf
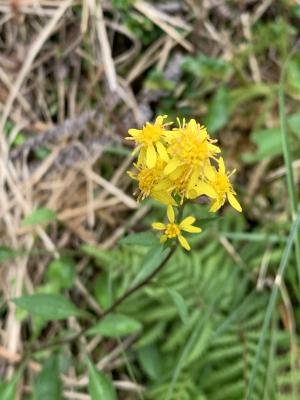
point(48, 385)
point(150, 360)
point(42, 215)
point(150, 262)
point(218, 111)
point(61, 272)
point(115, 325)
point(8, 389)
point(49, 306)
point(104, 258)
point(100, 387)
point(141, 239)
point(180, 304)
point(206, 67)
point(268, 142)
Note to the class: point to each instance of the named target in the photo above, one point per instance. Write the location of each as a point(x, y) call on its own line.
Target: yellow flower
point(150, 141)
point(152, 182)
point(190, 146)
point(218, 187)
point(173, 230)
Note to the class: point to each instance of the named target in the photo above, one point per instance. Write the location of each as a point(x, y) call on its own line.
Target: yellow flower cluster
point(179, 164)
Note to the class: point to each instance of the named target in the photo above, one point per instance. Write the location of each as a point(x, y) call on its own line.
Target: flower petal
point(171, 214)
point(184, 242)
point(151, 156)
point(171, 166)
point(234, 202)
point(221, 165)
point(159, 226)
point(164, 198)
point(192, 229)
point(205, 188)
point(134, 132)
point(187, 221)
point(162, 151)
point(215, 206)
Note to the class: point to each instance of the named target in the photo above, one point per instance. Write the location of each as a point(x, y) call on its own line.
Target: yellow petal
point(233, 202)
point(160, 119)
point(215, 206)
point(164, 198)
point(159, 226)
point(221, 165)
point(162, 151)
point(151, 156)
point(192, 229)
point(209, 172)
point(171, 214)
point(134, 132)
point(184, 242)
point(205, 188)
point(187, 221)
point(193, 179)
point(171, 166)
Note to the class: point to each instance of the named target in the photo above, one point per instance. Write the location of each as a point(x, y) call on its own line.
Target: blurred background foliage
point(193, 333)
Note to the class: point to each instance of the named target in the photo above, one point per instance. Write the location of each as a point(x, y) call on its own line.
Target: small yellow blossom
point(218, 187)
point(173, 230)
point(152, 182)
point(190, 146)
point(150, 141)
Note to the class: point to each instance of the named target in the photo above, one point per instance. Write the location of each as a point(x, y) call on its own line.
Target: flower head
point(173, 230)
point(150, 141)
point(191, 146)
point(152, 182)
point(218, 187)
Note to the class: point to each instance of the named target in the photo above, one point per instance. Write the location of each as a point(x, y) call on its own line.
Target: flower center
point(147, 179)
point(221, 184)
point(172, 231)
point(150, 134)
point(190, 147)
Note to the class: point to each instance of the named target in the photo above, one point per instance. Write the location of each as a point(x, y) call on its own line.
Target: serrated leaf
point(100, 386)
point(141, 239)
point(42, 215)
point(115, 325)
point(48, 385)
point(49, 306)
point(150, 262)
point(180, 304)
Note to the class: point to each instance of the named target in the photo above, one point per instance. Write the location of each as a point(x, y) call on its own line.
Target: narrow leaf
point(100, 387)
point(49, 306)
point(115, 325)
point(141, 239)
point(48, 385)
point(151, 261)
point(180, 304)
